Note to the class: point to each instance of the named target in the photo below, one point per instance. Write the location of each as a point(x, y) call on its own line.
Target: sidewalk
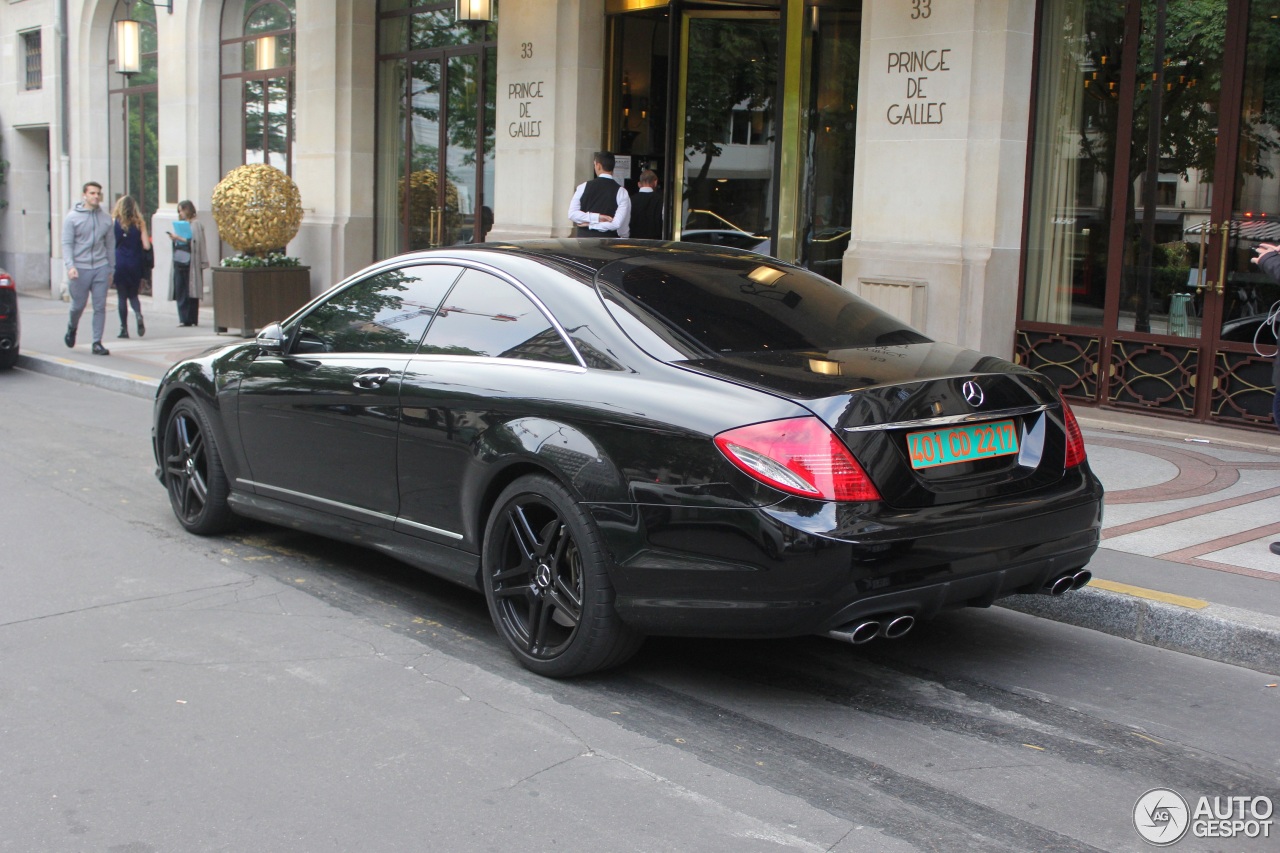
point(1190, 508)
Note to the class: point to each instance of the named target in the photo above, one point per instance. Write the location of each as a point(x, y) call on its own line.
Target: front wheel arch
point(191, 469)
point(545, 575)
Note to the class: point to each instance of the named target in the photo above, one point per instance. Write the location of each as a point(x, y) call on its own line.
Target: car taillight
point(6, 281)
point(1075, 440)
point(801, 456)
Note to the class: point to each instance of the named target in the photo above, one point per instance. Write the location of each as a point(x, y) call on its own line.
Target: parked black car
point(616, 438)
point(10, 327)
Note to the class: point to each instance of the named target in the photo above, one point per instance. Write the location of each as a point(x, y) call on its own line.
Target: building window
point(134, 114)
point(258, 82)
point(1073, 157)
point(31, 56)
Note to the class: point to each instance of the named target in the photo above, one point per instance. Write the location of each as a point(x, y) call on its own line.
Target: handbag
point(181, 257)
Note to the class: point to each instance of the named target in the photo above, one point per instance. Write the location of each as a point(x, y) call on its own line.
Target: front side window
point(486, 316)
point(386, 313)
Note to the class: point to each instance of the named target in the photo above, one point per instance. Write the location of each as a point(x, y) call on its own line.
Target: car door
point(490, 354)
point(318, 424)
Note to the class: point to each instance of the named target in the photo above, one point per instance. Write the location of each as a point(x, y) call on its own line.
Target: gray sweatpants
point(92, 281)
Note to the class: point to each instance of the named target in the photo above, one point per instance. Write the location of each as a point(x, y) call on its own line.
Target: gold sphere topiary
point(430, 226)
point(257, 208)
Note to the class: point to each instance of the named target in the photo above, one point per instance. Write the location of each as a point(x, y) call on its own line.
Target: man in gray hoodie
point(89, 251)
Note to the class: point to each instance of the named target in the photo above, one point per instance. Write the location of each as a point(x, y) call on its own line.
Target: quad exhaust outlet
point(887, 625)
point(1066, 582)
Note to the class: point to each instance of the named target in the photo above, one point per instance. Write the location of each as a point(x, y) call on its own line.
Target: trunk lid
point(930, 423)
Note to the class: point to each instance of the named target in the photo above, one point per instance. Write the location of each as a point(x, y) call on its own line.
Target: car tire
point(547, 583)
point(8, 358)
point(193, 473)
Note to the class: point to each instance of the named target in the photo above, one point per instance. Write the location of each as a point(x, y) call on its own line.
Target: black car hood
point(882, 385)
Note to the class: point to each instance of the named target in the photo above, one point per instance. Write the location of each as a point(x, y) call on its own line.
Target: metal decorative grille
point(1153, 376)
point(1071, 361)
point(34, 61)
point(1242, 390)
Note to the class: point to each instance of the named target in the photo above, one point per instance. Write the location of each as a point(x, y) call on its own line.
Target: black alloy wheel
point(547, 585)
point(193, 473)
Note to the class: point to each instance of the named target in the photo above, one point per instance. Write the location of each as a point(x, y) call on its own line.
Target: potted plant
point(258, 211)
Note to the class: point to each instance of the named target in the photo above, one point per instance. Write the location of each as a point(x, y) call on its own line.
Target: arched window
point(133, 125)
point(257, 82)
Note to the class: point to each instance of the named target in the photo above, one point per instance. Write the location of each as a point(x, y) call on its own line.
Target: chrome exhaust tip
point(856, 632)
point(897, 626)
point(1059, 586)
point(1081, 578)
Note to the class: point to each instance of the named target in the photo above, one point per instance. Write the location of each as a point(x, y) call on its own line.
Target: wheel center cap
point(542, 575)
point(191, 465)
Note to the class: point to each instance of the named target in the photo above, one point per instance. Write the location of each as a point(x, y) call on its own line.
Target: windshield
point(696, 307)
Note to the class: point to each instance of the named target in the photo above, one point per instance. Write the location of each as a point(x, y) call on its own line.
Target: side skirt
point(451, 564)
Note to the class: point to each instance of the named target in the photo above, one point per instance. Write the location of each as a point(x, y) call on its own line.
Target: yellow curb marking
point(1154, 595)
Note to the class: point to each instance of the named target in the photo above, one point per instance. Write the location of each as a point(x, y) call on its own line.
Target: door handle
point(1200, 270)
point(375, 378)
point(1222, 258)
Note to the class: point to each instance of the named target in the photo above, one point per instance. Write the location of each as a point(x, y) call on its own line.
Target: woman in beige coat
point(186, 282)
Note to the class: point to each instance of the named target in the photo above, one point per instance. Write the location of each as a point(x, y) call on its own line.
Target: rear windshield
point(695, 307)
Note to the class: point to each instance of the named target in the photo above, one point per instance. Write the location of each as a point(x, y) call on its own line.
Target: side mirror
point(270, 340)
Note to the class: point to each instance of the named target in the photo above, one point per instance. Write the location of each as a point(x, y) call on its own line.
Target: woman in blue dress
point(132, 245)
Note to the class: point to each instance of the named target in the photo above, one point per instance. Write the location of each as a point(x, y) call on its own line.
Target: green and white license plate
point(932, 447)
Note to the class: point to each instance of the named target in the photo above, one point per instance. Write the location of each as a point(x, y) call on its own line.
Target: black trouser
point(188, 306)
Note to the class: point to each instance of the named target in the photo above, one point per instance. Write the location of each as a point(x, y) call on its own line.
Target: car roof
point(592, 255)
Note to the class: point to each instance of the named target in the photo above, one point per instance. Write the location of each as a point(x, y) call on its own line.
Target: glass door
point(1239, 387)
point(421, 203)
point(1203, 193)
point(1155, 158)
point(437, 83)
point(726, 131)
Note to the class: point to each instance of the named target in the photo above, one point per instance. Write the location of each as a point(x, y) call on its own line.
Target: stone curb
point(99, 377)
point(1216, 632)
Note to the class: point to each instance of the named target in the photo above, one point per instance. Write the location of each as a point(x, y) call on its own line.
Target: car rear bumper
point(789, 570)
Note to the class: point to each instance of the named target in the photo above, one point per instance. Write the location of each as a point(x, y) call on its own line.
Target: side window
point(385, 313)
point(484, 315)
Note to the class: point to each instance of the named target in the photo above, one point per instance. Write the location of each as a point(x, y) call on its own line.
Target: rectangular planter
point(248, 299)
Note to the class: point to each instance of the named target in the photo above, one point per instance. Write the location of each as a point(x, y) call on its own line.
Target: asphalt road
point(274, 691)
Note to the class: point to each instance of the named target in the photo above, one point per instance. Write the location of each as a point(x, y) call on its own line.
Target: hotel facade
point(1075, 184)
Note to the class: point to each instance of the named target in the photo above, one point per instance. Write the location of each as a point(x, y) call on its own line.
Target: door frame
point(442, 56)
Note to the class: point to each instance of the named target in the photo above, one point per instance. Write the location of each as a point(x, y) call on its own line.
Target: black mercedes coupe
point(617, 438)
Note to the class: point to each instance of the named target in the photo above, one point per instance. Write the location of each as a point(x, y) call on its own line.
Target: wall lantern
point(475, 11)
point(129, 40)
point(265, 53)
point(128, 36)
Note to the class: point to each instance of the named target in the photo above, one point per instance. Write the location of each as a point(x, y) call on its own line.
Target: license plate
point(933, 447)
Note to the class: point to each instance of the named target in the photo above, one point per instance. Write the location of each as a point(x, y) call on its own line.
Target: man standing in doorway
point(646, 208)
point(89, 251)
point(601, 207)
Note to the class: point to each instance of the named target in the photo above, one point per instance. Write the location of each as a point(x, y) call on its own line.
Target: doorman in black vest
point(601, 206)
point(646, 208)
